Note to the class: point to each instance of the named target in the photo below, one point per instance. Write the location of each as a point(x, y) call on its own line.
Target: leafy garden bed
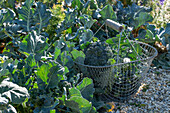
point(39, 44)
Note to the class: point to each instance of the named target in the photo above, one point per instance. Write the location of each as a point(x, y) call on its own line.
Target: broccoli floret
point(98, 53)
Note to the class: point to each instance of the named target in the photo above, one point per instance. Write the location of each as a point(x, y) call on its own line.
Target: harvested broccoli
point(98, 54)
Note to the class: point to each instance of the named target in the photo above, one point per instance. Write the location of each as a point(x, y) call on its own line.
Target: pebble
point(155, 99)
point(156, 96)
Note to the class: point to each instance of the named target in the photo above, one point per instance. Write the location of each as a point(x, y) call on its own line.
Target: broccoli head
point(98, 54)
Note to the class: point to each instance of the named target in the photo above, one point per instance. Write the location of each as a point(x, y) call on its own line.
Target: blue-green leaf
point(41, 17)
point(35, 44)
point(43, 72)
point(26, 15)
point(50, 75)
point(78, 104)
point(13, 92)
point(87, 21)
point(4, 65)
point(77, 3)
point(128, 14)
point(149, 34)
point(55, 76)
point(31, 61)
point(86, 36)
point(108, 13)
point(77, 54)
point(74, 92)
point(9, 109)
point(6, 15)
point(142, 19)
point(66, 59)
point(48, 106)
point(56, 53)
point(86, 88)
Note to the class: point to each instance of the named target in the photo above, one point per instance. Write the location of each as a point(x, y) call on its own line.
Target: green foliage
point(33, 43)
point(87, 21)
point(86, 14)
point(46, 78)
point(159, 11)
point(57, 11)
point(24, 20)
point(7, 3)
point(42, 17)
point(4, 64)
point(132, 15)
point(142, 19)
point(6, 15)
point(86, 86)
point(108, 13)
point(77, 97)
point(77, 55)
point(153, 34)
point(79, 104)
point(43, 40)
point(26, 14)
point(11, 93)
point(43, 71)
point(163, 61)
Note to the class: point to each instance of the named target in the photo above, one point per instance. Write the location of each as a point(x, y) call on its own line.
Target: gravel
point(152, 97)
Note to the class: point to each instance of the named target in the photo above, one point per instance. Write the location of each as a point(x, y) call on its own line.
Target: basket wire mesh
point(119, 82)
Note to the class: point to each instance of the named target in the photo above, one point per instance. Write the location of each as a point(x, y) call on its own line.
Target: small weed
point(145, 88)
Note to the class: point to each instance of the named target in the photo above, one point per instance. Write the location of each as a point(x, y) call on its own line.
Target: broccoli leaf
point(3, 67)
point(77, 3)
point(56, 53)
point(74, 92)
point(108, 13)
point(6, 15)
point(142, 19)
point(12, 92)
point(78, 56)
point(43, 72)
point(3, 102)
point(86, 36)
point(35, 44)
point(50, 75)
point(79, 104)
point(42, 16)
point(87, 21)
point(26, 15)
point(9, 109)
point(56, 74)
point(86, 85)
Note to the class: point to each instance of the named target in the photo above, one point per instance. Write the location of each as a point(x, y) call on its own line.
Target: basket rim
point(144, 59)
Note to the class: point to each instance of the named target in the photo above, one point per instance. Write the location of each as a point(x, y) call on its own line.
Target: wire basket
point(119, 82)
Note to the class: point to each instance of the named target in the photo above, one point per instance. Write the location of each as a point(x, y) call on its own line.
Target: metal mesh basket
point(121, 81)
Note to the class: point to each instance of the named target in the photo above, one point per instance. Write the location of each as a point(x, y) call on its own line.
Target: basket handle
point(114, 25)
